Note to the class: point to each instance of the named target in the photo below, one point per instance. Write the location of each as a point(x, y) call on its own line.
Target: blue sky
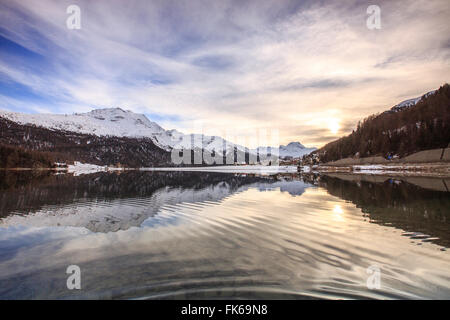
point(309, 69)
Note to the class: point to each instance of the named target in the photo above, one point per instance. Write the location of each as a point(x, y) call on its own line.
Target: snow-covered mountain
point(100, 122)
point(120, 123)
point(293, 149)
point(410, 102)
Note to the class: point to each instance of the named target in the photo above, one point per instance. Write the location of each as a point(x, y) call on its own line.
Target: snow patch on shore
point(79, 168)
point(378, 169)
point(256, 169)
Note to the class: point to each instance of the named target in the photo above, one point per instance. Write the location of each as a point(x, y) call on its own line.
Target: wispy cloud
point(290, 65)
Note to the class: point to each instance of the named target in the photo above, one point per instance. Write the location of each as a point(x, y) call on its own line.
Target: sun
point(334, 126)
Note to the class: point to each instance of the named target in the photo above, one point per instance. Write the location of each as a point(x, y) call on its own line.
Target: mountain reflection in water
point(210, 235)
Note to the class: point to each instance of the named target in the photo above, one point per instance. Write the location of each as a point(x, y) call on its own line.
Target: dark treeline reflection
point(28, 191)
point(397, 203)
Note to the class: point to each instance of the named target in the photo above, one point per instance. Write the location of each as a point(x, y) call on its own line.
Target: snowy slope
point(114, 122)
point(100, 122)
point(121, 123)
point(293, 149)
point(410, 102)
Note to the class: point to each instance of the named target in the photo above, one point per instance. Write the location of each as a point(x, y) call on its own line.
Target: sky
point(308, 70)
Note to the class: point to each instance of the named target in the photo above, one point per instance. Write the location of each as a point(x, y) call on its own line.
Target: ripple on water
point(247, 242)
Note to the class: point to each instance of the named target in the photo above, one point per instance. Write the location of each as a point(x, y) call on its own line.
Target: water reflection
point(419, 205)
point(111, 202)
point(210, 235)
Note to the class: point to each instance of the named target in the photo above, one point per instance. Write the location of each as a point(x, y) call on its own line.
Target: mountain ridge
point(35, 146)
point(413, 125)
point(410, 102)
point(118, 122)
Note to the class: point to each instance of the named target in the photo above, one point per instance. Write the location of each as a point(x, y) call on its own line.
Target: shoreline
point(250, 169)
point(80, 168)
point(436, 183)
point(435, 169)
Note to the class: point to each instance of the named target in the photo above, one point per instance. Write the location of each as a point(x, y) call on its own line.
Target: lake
point(188, 235)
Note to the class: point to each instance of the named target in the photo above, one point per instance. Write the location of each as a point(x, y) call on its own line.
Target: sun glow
point(334, 126)
point(338, 209)
point(337, 212)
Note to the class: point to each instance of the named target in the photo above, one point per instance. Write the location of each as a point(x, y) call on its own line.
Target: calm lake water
point(183, 235)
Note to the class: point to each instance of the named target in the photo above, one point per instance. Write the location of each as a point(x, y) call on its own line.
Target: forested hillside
point(425, 125)
point(32, 146)
point(15, 157)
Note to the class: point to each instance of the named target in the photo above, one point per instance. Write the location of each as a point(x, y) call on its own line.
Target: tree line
point(423, 126)
point(16, 157)
point(28, 146)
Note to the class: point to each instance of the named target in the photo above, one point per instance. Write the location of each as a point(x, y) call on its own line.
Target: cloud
point(244, 65)
point(214, 62)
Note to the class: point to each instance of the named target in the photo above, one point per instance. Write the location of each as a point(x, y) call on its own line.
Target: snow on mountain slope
point(100, 122)
point(293, 149)
point(410, 102)
point(121, 123)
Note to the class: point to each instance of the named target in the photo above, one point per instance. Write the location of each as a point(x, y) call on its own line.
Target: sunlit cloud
point(333, 125)
point(310, 70)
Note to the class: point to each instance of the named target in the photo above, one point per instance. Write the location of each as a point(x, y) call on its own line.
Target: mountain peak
point(108, 111)
point(295, 144)
point(100, 122)
point(294, 149)
point(120, 123)
point(410, 102)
